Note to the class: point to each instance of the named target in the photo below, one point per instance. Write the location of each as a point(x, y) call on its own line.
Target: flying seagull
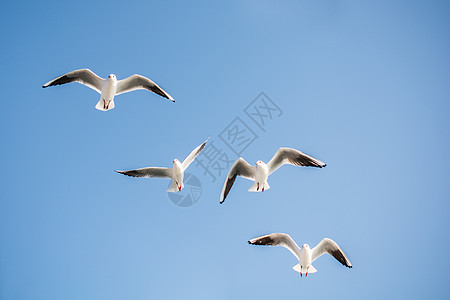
point(108, 88)
point(176, 173)
point(261, 171)
point(306, 256)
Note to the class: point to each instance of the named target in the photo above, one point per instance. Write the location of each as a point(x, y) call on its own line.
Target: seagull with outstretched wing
point(305, 255)
point(110, 87)
point(260, 173)
point(176, 173)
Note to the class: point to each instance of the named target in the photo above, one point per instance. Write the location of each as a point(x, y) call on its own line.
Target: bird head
point(306, 246)
point(176, 161)
point(112, 76)
point(259, 162)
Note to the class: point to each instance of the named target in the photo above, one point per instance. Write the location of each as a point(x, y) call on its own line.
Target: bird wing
point(241, 168)
point(138, 82)
point(83, 76)
point(329, 246)
point(148, 172)
point(292, 157)
point(193, 155)
point(277, 239)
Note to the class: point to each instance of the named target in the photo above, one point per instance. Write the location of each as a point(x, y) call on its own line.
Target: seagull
point(176, 173)
point(261, 172)
point(108, 88)
point(306, 256)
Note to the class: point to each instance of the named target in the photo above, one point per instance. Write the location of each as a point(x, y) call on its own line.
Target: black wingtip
point(43, 86)
point(249, 242)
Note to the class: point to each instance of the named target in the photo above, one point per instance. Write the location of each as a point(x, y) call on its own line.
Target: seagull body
point(261, 172)
point(176, 173)
point(177, 176)
point(305, 255)
point(261, 176)
point(110, 87)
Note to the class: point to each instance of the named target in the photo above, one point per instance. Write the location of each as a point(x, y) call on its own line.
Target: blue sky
point(363, 86)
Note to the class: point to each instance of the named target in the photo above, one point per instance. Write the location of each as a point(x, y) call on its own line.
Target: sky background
point(363, 86)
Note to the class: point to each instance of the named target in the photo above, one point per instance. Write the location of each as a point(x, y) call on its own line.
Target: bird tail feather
point(254, 187)
point(101, 105)
point(174, 187)
point(310, 270)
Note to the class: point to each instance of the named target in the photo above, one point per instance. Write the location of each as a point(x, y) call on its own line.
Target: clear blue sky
point(364, 86)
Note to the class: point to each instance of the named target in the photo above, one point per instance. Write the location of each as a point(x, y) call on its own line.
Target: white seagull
point(306, 256)
point(176, 173)
point(108, 88)
point(261, 172)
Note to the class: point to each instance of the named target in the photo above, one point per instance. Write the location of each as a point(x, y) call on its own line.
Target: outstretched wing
point(239, 168)
point(148, 172)
point(138, 82)
point(193, 155)
point(292, 157)
point(329, 246)
point(83, 76)
point(277, 239)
